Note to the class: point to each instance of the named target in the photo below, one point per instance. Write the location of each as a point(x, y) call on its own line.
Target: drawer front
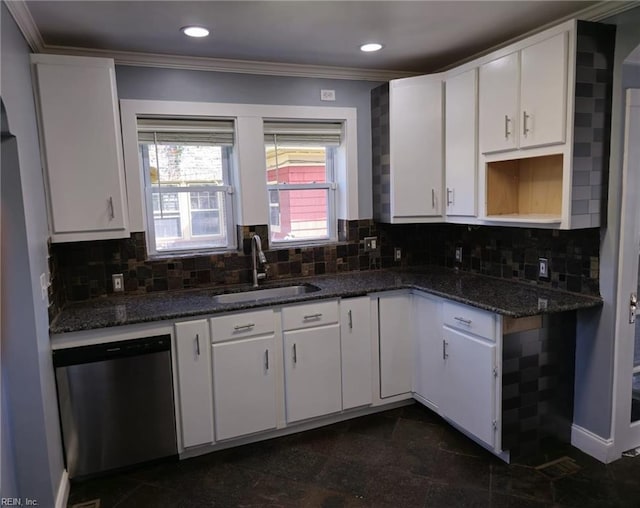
point(245, 324)
point(469, 319)
point(310, 314)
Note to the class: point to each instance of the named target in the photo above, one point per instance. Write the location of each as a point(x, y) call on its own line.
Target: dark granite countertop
point(509, 298)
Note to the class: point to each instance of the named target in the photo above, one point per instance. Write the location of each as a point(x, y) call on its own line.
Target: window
point(187, 183)
point(301, 180)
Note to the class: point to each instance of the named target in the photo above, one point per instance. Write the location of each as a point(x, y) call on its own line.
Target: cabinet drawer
point(469, 319)
point(310, 314)
point(245, 324)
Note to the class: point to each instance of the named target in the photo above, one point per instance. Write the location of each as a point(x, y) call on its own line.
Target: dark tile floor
point(405, 457)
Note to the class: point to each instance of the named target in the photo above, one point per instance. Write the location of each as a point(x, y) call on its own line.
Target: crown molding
point(22, 16)
point(596, 12)
point(139, 59)
point(26, 24)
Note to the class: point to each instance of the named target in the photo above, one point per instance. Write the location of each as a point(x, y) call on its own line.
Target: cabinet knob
point(350, 320)
point(295, 354)
point(266, 359)
point(198, 344)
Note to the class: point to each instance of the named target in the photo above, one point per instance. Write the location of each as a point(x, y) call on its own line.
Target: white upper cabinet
point(543, 97)
point(461, 145)
point(499, 104)
point(416, 148)
point(81, 147)
point(523, 97)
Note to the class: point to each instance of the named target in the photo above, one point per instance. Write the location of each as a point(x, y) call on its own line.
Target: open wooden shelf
point(528, 190)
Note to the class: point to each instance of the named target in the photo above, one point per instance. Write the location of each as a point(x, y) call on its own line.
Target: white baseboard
point(592, 444)
point(63, 490)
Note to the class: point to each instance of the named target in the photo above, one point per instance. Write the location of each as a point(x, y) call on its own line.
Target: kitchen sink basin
point(266, 293)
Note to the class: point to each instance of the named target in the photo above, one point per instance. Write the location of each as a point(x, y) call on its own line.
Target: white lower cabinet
point(312, 371)
point(395, 328)
point(194, 382)
point(469, 383)
point(355, 347)
point(244, 386)
point(428, 355)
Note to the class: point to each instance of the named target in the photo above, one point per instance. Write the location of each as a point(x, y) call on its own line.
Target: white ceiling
point(419, 36)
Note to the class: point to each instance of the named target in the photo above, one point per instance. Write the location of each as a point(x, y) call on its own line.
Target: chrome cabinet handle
point(350, 320)
point(313, 316)
point(433, 198)
point(295, 354)
point(112, 214)
point(525, 129)
point(449, 196)
point(445, 355)
point(507, 133)
point(463, 321)
point(266, 359)
point(198, 344)
point(248, 326)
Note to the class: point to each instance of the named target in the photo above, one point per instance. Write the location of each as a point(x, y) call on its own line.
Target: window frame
point(227, 214)
point(250, 199)
point(330, 185)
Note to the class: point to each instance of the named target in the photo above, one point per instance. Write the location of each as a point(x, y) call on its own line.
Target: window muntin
point(301, 181)
point(187, 183)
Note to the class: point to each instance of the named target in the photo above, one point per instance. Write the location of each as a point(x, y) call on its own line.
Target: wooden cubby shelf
point(525, 189)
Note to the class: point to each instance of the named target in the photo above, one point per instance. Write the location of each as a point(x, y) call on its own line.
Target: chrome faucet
point(256, 248)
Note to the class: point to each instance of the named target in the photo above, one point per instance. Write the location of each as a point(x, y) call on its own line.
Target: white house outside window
point(187, 184)
point(301, 182)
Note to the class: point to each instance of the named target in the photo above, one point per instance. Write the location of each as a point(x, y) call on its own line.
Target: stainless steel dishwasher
point(116, 404)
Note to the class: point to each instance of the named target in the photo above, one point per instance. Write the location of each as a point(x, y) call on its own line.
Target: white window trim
point(251, 205)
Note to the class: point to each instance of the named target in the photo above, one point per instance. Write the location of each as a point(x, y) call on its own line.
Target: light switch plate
point(118, 282)
point(543, 268)
point(370, 243)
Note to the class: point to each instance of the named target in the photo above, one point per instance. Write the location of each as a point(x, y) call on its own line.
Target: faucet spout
point(257, 255)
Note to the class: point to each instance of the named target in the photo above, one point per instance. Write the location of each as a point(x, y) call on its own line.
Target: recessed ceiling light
point(371, 46)
point(195, 31)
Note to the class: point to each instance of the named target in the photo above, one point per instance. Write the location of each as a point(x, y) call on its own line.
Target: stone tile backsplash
point(505, 252)
point(83, 270)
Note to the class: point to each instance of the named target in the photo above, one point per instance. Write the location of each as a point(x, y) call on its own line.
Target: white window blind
point(186, 131)
point(303, 133)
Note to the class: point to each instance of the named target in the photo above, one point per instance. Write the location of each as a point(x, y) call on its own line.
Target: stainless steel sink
point(264, 294)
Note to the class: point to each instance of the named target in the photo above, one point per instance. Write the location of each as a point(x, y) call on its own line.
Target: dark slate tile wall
point(537, 386)
point(592, 123)
point(510, 253)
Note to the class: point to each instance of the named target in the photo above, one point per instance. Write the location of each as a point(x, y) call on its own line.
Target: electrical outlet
point(542, 303)
point(370, 243)
point(327, 95)
point(543, 268)
point(397, 254)
point(118, 282)
point(459, 254)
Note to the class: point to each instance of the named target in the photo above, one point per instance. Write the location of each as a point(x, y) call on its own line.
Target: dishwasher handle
point(111, 350)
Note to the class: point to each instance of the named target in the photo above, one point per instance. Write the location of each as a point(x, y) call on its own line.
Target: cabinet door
point(461, 147)
point(80, 131)
point(355, 344)
point(428, 352)
point(244, 386)
point(543, 92)
point(394, 314)
point(194, 382)
point(469, 383)
point(312, 372)
point(416, 147)
point(498, 104)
